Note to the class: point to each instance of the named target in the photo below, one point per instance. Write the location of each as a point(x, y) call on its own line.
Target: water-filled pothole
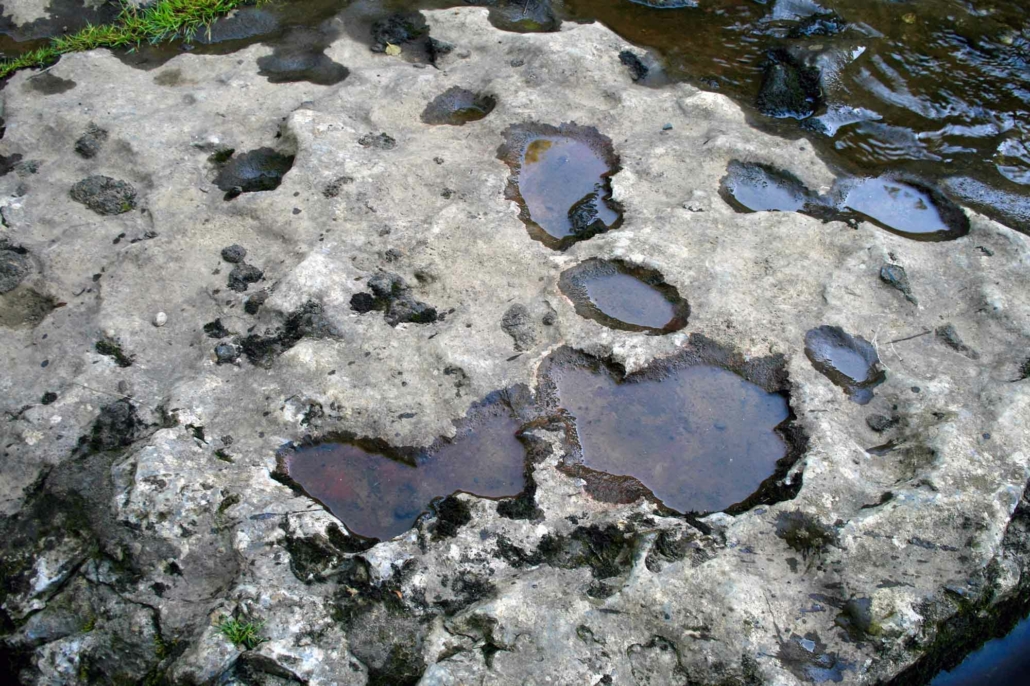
point(623, 296)
point(250, 172)
point(702, 431)
point(753, 187)
point(907, 208)
point(379, 491)
point(848, 361)
point(561, 179)
point(458, 106)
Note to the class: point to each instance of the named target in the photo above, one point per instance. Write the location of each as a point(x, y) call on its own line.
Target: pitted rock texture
point(130, 530)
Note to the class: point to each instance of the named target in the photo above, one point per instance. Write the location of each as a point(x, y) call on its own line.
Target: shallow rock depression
point(499, 369)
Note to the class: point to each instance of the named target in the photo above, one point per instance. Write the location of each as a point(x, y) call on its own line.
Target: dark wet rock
point(48, 398)
point(397, 29)
point(117, 426)
point(584, 216)
point(242, 275)
point(255, 171)
point(105, 195)
point(819, 24)
point(948, 335)
point(637, 68)
point(216, 329)
point(756, 187)
point(391, 295)
point(226, 353)
point(624, 296)
point(300, 56)
point(790, 89)
point(49, 84)
point(24, 307)
point(804, 533)
point(26, 168)
point(254, 302)
point(894, 275)
point(9, 163)
point(518, 323)
point(438, 49)
point(848, 361)
point(880, 423)
point(452, 513)
point(234, 253)
point(458, 106)
point(90, 143)
point(114, 351)
point(14, 266)
point(379, 141)
point(309, 321)
point(333, 188)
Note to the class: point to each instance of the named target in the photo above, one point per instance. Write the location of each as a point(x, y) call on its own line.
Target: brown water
point(701, 438)
point(622, 296)
point(379, 493)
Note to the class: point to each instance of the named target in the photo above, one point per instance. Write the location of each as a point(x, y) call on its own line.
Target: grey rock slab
point(211, 534)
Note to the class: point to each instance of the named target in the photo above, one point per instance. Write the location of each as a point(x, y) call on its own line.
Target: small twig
point(909, 338)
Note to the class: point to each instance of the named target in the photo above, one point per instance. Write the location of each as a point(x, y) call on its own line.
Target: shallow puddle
point(848, 361)
point(251, 172)
point(752, 187)
point(561, 179)
point(457, 107)
point(907, 209)
point(701, 438)
point(379, 492)
point(625, 297)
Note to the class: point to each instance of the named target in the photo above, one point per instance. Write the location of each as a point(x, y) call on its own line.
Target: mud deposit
point(379, 492)
point(700, 437)
point(560, 178)
point(621, 296)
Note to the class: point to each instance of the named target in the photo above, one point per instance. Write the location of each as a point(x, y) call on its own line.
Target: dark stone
point(226, 353)
point(255, 302)
point(309, 321)
point(452, 513)
point(880, 423)
point(242, 275)
point(386, 285)
point(397, 29)
point(255, 171)
point(48, 398)
point(362, 302)
point(215, 329)
point(116, 427)
point(819, 24)
point(437, 49)
point(947, 335)
point(333, 188)
point(803, 532)
point(894, 275)
point(104, 195)
point(234, 253)
point(379, 141)
point(637, 69)
point(14, 266)
point(406, 309)
point(518, 324)
point(790, 89)
point(89, 143)
point(584, 217)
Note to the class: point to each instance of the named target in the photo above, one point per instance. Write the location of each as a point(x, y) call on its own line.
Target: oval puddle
point(752, 187)
point(907, 209)
point(561, 178)
point(848, 361)
point(697, 435)
point(457, 107)
point(378, 491)
point(621, 296)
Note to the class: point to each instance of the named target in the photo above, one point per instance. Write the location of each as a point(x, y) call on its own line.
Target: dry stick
point(909, 338)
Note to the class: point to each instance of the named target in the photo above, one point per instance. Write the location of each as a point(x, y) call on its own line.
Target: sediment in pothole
point(138, 506)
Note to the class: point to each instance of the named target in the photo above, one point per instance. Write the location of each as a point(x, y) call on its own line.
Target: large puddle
point(560, 176)
point(906, 209)
point(623, 296)
point(379, 492)
point(697, 435)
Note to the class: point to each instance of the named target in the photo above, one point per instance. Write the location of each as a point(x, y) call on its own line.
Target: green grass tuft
point(245, 635)
point(164, 21)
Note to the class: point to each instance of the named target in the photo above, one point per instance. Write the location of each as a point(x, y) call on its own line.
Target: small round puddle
point(561, 178)
point(907, 209)
point(703, 432)
point(250, 172)
point(378, 491)
point(752, 187)
point(621, 296)
point(457, 107)
point(848, 361)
